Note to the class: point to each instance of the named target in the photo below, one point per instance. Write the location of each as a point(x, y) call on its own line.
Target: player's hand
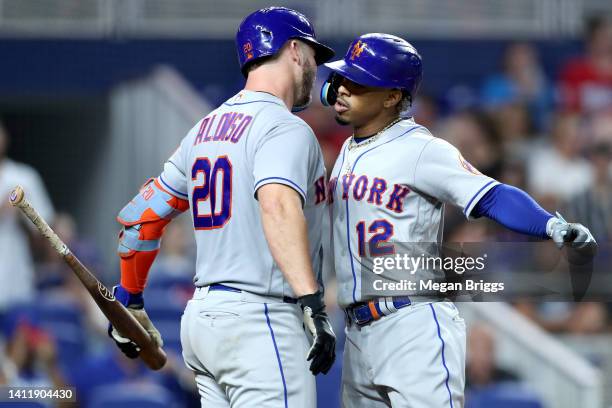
point(323, 350)
point(563, 232)
point(576, 235)
point(134, 305)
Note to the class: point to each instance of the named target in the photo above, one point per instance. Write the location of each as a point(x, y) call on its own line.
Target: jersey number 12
point(207, 191)
point(382, 231)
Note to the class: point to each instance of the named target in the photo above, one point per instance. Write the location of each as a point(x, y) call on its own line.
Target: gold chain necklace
point(353, 144)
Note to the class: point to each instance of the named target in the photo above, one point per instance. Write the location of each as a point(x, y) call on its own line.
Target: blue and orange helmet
point(264, 32)
point(376, 60)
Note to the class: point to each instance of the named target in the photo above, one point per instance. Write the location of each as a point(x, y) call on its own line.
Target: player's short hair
point(405, 103)
point(259, 62)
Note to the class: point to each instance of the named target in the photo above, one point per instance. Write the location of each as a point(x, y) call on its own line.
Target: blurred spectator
point(460, 97)
point(32, 358)
point(522, 82)
point(176, 257)
point(476, 137)
point(574, 318)
point(515, 129)
point(513, 172)
point(426, 111)
point(593, 207)
point(16, 268)
point(56, 281)
point(474, 134)
point(586, 81)
point(467, 232)
point(557, 171)
point(481, 368)
point(52, 271)
point(112, 367)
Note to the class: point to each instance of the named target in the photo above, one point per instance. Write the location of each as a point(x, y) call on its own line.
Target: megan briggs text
point(442, 287)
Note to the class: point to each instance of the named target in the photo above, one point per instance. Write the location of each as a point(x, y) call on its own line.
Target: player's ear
point(294, 51)
point(393, 98)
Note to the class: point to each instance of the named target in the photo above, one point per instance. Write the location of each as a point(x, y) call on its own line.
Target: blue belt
point(366, 312)
point(219, 286)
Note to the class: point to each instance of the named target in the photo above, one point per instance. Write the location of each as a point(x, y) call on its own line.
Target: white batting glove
point(561, 232)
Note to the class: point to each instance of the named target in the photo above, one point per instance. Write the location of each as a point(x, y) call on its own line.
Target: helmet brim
point(323, 53)
point(354, 73)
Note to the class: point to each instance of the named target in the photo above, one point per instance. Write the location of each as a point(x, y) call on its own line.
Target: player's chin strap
point(329, 90)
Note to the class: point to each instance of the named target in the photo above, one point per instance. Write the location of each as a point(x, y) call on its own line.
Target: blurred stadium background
point(96, 94)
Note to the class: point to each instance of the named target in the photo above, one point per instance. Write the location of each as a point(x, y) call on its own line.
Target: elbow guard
point(145, 218)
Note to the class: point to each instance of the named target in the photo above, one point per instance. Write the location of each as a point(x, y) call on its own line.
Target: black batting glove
point(127, 346)
point(323, 350)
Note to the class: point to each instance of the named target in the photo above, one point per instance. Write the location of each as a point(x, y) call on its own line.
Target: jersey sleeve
point(283, 156)
point(443, 173)
point(173, 178)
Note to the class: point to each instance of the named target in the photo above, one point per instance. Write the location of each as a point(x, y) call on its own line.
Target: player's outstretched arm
point(287, 236)
point(516, 210)
point(144, 220)
point(443, 173)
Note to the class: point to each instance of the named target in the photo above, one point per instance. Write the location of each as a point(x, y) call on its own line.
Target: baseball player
point(389, 185)
point(252, 175)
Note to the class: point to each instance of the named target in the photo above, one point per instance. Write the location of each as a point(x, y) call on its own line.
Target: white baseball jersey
point(393, 189)
point(249, 141)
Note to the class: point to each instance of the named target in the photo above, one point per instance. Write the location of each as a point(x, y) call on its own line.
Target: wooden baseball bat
point(115, 312)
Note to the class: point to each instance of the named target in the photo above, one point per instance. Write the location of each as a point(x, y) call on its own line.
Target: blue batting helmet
point(264, 32)
point(376, 60)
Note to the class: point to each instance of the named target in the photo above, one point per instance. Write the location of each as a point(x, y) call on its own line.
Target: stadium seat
point(504, 395)
point(165, 281)
point(62, 319)
point(165, 308)
point(136, 395)
point(164, 304)
point(69, 338)
point(170, 330)
point(58, 311)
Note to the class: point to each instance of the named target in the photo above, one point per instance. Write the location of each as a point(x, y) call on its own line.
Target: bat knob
point(16, 196)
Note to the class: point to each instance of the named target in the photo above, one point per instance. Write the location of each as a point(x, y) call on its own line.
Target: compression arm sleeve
point(514, 209)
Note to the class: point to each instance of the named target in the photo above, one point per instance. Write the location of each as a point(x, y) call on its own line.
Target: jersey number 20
point(207, 191)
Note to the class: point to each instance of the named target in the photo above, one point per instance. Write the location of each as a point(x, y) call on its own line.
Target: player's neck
point(373, 127)
point(277, 85)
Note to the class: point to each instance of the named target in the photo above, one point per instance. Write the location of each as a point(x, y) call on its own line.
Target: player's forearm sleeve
point(144, 220)
point(514, 209)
